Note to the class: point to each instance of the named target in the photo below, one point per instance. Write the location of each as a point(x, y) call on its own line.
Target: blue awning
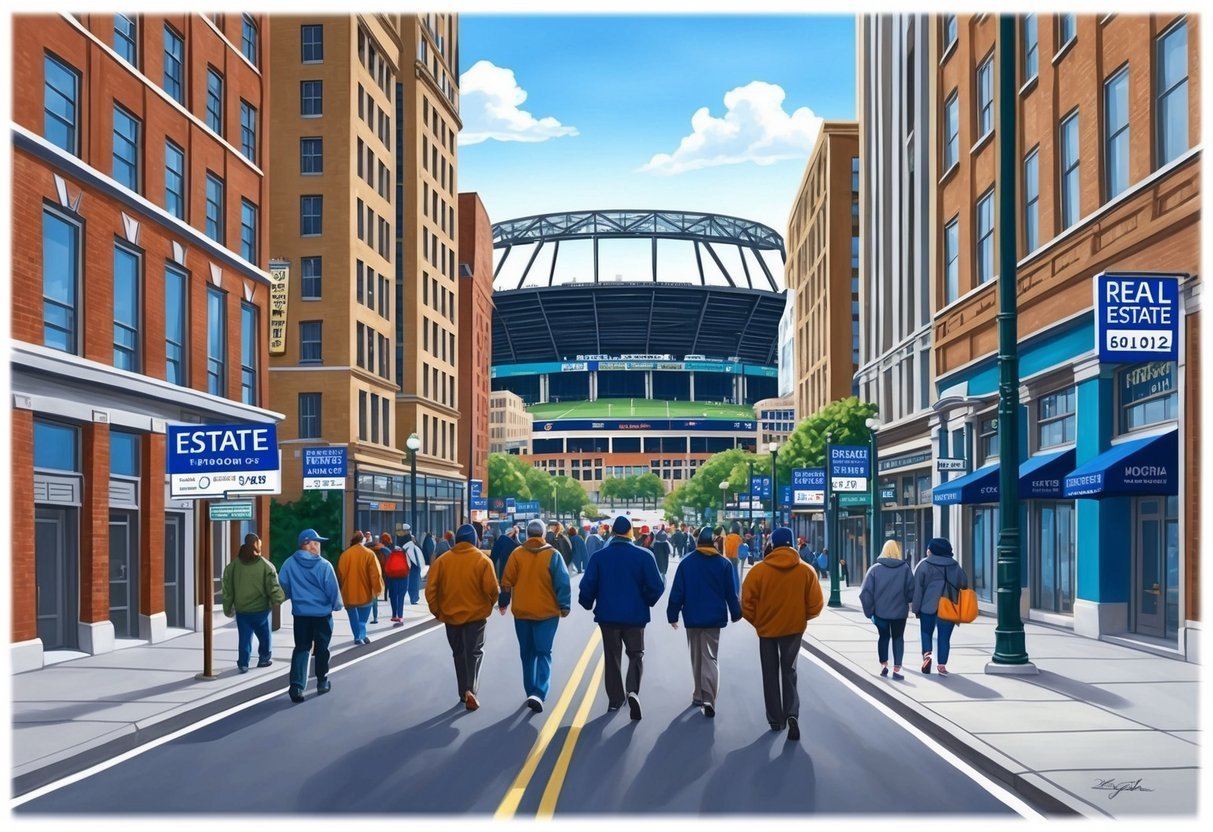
point(1146, 466)
point(1041, 476)
point(980, 486)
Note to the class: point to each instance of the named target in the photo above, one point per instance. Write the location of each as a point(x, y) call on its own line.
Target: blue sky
point(607, 116)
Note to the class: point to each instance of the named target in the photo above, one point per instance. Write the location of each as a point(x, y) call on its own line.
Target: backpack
point(397, 565)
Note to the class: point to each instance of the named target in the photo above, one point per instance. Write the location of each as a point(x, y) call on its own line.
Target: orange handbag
point(957, 605)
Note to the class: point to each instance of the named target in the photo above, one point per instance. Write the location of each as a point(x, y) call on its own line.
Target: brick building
point(476, 329)
point(510, 431)
point(138, 300)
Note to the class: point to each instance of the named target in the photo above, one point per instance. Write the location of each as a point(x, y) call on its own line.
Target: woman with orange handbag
point(933, 574)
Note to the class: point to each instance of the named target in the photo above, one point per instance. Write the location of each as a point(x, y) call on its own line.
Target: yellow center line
point(547, 805)
point(513, 797)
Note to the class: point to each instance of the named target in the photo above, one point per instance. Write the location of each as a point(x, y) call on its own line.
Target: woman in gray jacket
point(931, 578)
point(887, 591)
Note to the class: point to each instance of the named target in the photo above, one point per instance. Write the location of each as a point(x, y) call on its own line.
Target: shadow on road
point(963, 685)
point(769, 776)
point(681, 755)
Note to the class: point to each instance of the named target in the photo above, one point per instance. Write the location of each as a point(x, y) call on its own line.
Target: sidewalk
point(1097, 716)
point(74, 714)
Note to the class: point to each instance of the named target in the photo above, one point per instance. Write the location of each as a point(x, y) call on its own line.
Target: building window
point(951, 260)
point(987, 440)
point(60, 281)
point(124, 453)
point(126, 149)
point(1031, 192)
point(174, 180)
point(1171, 109)
point(1055, 419)
point(248, 353)
point(176, 316)
point(1055, 547)
point(1066, 30)
point(125, 39)
point(949, 31)
point(56, 446)
point(248, 39)
point(311, 209)
point(216, 342)
point(214, 207)
point(311, 98)
point(248, 131)
point(214, 100)
point(309, 415)
point(362, 415)
point(1116, 133)
point(312, 36)
point(310, 284)
point(1030, 48)
point(951, 127)
point(985, 94)
point(985, 237)
point(1069, 170)
point(1147, 395)
point(310, 345)
point(374, 418)
point(60, 88)
point(311, 155)
point(248, 231)
point(126, 309)
point(174, 55)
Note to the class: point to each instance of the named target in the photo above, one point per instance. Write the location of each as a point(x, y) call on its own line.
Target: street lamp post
point(774, 448)
point(831, 536)
point(750, 491)
point(413, 443)
point(874, 489)
point(724, 487)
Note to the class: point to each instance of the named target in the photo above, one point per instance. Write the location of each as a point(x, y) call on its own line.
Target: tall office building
point(476, 332)
point(139, 300)
point(895, 193)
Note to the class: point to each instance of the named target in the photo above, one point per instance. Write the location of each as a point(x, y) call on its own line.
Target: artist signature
point(1116, 788)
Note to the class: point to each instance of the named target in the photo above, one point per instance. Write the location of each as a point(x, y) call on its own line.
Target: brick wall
point(24, 576)
point(94, 524)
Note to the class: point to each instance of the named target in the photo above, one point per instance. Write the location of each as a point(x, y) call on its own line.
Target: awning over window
point(1041, 476)
point(980, 486)
point(1146, 466)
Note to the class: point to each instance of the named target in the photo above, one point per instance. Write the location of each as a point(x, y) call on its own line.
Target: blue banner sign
point(497, 503)
point(480, 504)
point(1137, 317)
point(785, 495)
point(715, 425)
point(324, 462)
point(474, 489)
point(527, 507)
point(849, 467)
point(219, 460)
point(511, 505)
point(808, 486)
point(541, 367)
point(761, 487)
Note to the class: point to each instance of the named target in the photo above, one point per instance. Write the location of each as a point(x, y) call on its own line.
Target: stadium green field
point(639, 408)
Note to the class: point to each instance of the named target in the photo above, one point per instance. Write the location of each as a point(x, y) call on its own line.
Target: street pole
point(831, 537)
point(774, 488)
point(206, 586)
point(750, 489)
point(1010, 652)
point(874, 491)
point(413, 492)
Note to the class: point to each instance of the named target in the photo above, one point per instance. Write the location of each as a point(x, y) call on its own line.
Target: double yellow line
point(547, 804)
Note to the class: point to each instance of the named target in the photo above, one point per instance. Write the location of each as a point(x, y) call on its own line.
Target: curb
point(1043, 801)
point(135, 735)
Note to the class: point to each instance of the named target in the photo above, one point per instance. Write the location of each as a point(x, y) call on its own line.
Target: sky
point(691, 113)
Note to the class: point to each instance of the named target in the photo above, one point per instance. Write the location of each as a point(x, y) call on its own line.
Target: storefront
point(383, 503)
point(906, 513)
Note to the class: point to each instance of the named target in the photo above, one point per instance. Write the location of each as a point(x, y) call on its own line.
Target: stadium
point(638, 340)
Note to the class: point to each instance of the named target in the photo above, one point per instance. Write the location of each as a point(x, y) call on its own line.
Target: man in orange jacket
point(460, 590)
point(780, 596)
point(361, 581)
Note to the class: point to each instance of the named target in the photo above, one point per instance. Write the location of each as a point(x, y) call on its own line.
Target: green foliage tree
point(310, 511)
point(648, 487)
point(507, 477)
point(806, 446)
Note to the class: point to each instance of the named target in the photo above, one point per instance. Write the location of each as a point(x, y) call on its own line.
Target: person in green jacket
point(250, 588)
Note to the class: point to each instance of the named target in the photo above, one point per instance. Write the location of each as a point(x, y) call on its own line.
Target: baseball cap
point(781, 537)
point(308, 535)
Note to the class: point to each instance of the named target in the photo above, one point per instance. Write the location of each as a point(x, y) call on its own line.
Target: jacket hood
point(306, 559)
point(940, 560)
point(783, 558)
point(465, 547)
point(536, 544)
point(710, 551)
point(893, 562)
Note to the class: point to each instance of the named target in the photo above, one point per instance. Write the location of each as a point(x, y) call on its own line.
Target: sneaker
point(613, 708)
point(926, 662)
point(535, 704)
point(775, 726)
point(884, 671)
point(399, 622)
point(634, 705)
point(897, 677)
point(470, 699)
point(265, 663)
point(366, 640)
point(941, 670)
point(243, 668)
point(296, 693)
point(708, 711)
point(793, 729)
point(323, 686)
point(696, 703)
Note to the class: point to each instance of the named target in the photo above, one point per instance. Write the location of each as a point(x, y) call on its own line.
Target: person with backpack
point(536, 582)
point(460, 591)
point(416, 564)
point(310, 584)
point(250, 588)
point(823, 563)
point(396, 572)
point(361, 582)
point(888, 589)
point(936, 573)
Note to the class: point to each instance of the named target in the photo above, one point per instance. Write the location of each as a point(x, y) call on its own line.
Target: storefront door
point(123, 574)
point(174, 569)
point(1156, 567)
point(54, 576)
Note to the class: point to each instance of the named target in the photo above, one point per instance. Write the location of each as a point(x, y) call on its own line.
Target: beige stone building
point(509, 424)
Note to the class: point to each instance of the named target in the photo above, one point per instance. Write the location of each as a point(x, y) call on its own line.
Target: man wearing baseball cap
point(310, 584)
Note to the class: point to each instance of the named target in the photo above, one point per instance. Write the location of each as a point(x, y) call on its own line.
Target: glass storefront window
point(987, 439)
point(985, 542)
point(56, 446)
point(1054, 553)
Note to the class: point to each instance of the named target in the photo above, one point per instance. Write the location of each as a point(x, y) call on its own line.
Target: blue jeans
point(248, 623)
point(358, 618)
point(890, 629)
point(375, 608)
point(737, 574)
point(312, 632)
point(535, 647)
point(395, 591)
point(414, 580)
point(926, 625)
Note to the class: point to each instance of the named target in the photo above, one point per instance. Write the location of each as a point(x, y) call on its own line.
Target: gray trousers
point(704, 643)
point(614, 641)
point(467, 649)
point(778, 657)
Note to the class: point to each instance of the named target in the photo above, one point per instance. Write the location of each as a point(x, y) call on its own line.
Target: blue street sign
point(480, 504)
point(324, 462)
point(849, 467)
point(497, 503)
point(475, 487)
point(1137, 317)
point(785, 495)
point(511, 505)
point(217, 460)
point(527, 507)
point(761, 487)
point(808, 486)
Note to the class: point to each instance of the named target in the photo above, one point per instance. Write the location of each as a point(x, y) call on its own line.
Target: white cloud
point(755, 128)
point(489, 97)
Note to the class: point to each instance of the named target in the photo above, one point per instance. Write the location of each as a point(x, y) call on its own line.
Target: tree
point(648, 486)
point(806, 446)
point(703, 489)
point(317, 510)
point(507, 477)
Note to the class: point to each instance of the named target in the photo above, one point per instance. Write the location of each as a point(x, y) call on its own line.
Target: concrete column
point(692, 387)
point(648, 384)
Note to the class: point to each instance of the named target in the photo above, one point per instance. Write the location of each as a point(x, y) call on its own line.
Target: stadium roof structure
point(684, 284)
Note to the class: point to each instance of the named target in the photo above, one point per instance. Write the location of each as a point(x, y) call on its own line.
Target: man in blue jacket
point(705, 592)
point(593, 543)
point(504, 546)
point(620, 584)
point(310, 584)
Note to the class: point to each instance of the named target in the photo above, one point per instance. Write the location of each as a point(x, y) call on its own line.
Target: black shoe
point(793, 729)
point(611, 708)
point(696, 703)
point(709, 711)
point(323, 686)
point(634, 705)
point(265, 663)
point(535, 704)
point(243, 668)
point(296, 693)
point(775, 726)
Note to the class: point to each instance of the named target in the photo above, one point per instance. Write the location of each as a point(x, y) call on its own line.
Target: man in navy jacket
point(620, 584)
point(705, 592)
